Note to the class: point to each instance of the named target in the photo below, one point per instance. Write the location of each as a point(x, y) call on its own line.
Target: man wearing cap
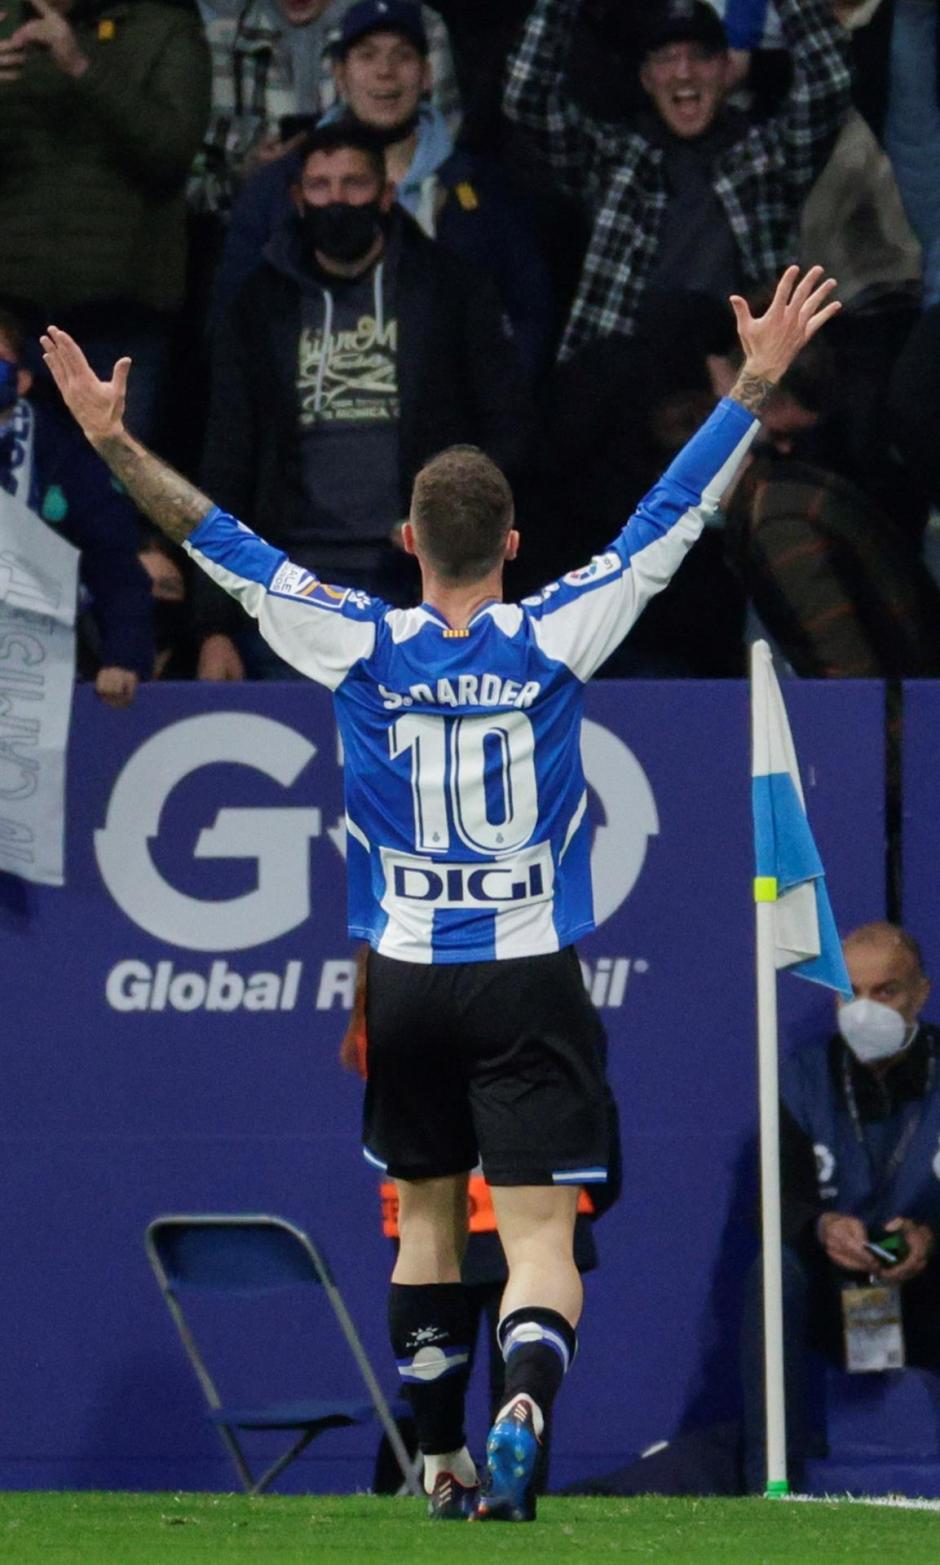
point(692, 196)
point(860, 1165)
point(384, 75)
point(271, 71)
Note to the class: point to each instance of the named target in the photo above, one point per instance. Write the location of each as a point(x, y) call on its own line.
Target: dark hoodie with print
point(456, 379)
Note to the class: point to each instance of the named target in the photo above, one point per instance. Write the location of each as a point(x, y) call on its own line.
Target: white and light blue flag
point(789, 871)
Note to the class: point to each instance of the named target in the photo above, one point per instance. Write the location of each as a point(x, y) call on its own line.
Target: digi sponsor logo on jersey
point(500, 883)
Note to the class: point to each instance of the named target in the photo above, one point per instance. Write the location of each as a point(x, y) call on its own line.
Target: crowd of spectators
point(338, 235)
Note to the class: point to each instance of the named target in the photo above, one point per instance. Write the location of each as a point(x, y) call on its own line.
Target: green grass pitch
point(202, 1529)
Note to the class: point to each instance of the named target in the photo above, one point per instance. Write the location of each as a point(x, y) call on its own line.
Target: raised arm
point(322, 631)
point(820, 93)
point(537, 95)
point(582, 618)
point(169, 500)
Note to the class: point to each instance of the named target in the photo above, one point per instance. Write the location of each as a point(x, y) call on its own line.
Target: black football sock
point(538, 1347)
point(429, 1326)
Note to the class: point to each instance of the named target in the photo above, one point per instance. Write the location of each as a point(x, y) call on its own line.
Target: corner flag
point(795, 929)
point(789, 871)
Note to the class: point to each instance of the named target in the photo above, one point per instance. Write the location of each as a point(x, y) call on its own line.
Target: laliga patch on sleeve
point(289, 578)
point(601, 565)
point(292, 581)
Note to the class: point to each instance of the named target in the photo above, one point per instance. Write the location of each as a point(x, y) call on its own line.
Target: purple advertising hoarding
point(921, 818)
point(172, 1024)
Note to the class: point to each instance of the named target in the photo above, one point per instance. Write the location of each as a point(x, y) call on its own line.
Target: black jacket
point(458, 378)
point(801, 1203)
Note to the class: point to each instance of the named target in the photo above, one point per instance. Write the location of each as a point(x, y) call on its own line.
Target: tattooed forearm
point(163, 495)
point(751, 391)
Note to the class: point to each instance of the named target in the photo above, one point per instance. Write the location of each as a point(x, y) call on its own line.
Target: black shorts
point(499, 1061)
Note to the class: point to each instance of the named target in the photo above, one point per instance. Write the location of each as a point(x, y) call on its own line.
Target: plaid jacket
point(837, 585)
point(760, 179)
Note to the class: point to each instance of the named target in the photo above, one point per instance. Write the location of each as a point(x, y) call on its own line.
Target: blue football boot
point(508, 1493)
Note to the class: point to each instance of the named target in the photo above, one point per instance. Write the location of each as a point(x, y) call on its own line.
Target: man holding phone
point(860, 1177)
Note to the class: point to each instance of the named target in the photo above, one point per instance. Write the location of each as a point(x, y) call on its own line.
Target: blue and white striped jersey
point(466, 807)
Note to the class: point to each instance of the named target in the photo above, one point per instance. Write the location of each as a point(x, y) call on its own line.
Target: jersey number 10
point(475, 774)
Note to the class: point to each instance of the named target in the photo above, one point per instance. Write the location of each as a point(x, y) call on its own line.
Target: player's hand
point(352, 1050)
point(219, 659)
point(49, 30)
point(920, 1243)
point(116, 686)
point(800, 306)
point(97, 405)
point(351, 1053)
point(843, 1239)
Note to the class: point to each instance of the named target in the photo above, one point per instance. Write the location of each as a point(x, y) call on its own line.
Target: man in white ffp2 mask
point(860, 1163)
point(880, 1025)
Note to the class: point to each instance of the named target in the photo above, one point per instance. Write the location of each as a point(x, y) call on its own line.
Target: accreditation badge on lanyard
point(871, 1313)
point(871, 1324)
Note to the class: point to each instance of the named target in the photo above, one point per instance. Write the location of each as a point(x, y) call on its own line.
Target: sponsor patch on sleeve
point(601, 565)
point(292, 581)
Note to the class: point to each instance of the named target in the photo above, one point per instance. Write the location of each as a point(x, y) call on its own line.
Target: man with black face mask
point(384, 74)
point(356, 351)
point(860, 1127)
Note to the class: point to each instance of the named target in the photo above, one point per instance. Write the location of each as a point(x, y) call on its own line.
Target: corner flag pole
point(768, 1089)
point(765, 897)
point(796, 930)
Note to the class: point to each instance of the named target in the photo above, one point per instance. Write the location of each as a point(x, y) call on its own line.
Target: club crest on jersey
point(601, 565)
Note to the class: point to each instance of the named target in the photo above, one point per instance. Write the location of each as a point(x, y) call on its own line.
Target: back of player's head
point(462, 510)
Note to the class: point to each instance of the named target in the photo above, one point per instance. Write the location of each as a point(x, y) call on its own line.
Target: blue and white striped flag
point(789, 871)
